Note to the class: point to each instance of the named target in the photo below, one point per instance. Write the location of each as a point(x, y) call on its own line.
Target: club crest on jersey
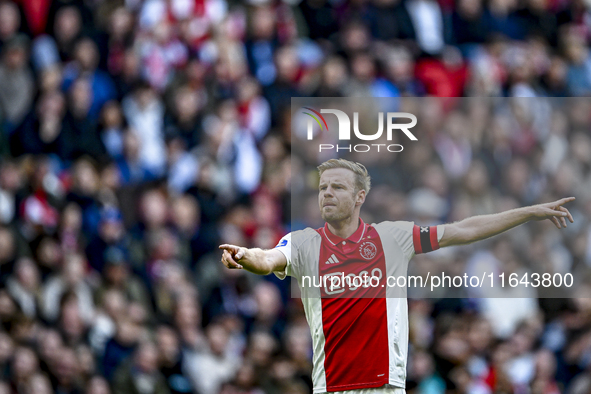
point(368, 250)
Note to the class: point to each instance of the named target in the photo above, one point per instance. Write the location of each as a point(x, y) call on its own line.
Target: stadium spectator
point(17, 85)
point(141, 375)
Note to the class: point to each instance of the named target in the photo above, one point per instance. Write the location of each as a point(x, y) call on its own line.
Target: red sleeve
point(424, 239)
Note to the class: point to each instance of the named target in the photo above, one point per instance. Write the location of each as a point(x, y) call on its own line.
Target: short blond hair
point(362, 178)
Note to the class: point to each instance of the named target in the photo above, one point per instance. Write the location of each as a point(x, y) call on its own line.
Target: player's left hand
point(555, 212)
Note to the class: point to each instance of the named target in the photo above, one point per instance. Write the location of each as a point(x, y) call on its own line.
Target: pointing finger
point(565, 200)
point(228, 247)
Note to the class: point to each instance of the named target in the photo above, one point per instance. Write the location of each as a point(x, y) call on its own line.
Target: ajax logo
point(368, 250)
point(344, 130)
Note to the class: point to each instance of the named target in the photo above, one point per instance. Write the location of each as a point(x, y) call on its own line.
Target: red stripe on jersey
point(356, 343)
point(433, 235)
point(355, 329)
point(416, 239)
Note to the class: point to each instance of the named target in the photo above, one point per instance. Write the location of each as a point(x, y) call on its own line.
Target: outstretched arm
point(481, 227)
point(258, 261)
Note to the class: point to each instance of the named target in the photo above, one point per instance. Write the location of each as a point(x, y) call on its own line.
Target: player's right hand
point(231, 255)
point(555, 212)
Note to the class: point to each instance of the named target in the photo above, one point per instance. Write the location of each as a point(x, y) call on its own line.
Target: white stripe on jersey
point(397, 308)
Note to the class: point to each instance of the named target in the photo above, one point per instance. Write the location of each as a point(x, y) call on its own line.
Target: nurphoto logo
point(344, 129)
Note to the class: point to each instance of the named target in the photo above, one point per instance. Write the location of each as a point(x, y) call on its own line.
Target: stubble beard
point(336, 215)
point(330, 217)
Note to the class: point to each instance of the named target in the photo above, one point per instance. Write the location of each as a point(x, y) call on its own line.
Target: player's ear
point(360, 197)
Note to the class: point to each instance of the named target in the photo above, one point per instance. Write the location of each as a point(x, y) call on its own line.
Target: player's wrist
point(534, 212)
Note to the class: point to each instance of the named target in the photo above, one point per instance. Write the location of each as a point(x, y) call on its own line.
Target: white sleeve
point(284, 246)
point(402, 233)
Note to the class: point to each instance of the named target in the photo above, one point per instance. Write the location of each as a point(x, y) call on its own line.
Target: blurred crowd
point(477, 156)
point(138, 135)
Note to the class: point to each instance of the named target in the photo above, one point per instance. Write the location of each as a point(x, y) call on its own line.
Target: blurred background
point(138, 135)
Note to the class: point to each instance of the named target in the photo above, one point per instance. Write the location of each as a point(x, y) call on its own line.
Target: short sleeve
point(284, 246)
point(402, 233)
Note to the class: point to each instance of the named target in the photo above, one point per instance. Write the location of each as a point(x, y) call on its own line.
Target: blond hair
point(362, 178)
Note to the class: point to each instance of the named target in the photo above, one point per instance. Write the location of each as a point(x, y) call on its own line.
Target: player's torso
point(355, 327)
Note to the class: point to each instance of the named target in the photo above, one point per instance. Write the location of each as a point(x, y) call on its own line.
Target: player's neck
point(344, 228)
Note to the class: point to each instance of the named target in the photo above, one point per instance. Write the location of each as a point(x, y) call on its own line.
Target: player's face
point(336, 194)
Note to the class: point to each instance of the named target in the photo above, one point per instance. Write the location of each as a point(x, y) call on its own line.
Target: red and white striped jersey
point(359, 332)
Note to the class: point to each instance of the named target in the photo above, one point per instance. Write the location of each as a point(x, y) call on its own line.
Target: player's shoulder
point(401, 232)
point(300, 237)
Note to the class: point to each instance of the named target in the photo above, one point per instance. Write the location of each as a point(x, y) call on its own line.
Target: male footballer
point(360, 338)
